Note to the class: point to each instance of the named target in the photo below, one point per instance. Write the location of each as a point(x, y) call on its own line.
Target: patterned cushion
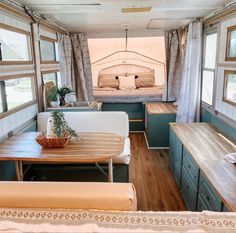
point(108, 80)
point(145, 80)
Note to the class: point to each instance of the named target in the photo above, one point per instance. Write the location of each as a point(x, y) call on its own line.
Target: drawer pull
point(207, 197)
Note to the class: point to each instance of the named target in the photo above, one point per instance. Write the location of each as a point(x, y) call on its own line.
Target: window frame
point(224, 99)
point(7, 111)
point(50, 72)
point(30, 45)
point(48, 39)
point(229, 30)
point(207, 33)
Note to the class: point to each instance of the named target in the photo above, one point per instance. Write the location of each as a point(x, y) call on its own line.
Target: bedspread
point(150, 94)
point(30, 220)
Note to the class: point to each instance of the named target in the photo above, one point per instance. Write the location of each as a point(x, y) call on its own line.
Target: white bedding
point(112, 95)
point(29, 220)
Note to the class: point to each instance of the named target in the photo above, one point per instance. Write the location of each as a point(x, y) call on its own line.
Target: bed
point(130, 100)
point(146, 87)
point(36, 220)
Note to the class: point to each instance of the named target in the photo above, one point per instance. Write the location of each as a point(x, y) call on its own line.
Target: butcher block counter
point(207, 147)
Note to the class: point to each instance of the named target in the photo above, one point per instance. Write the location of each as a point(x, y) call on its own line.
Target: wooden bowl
point(45, 142)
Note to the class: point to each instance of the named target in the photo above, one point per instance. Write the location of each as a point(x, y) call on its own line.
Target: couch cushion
point(68, 195)
point(124, 158)
point(104, 122)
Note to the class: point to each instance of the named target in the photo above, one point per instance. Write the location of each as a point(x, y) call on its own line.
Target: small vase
point(55, 104)
point(50, 126)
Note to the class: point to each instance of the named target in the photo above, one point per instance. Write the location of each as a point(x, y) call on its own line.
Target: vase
point(55, 104)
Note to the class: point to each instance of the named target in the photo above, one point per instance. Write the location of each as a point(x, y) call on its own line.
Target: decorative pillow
point(145, 80)
point(127, 82)
point(108, 80)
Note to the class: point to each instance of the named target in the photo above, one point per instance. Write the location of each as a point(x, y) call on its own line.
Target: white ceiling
point(104, 17)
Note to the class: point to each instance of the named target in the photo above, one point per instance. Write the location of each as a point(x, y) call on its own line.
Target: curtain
point(189, 99)
point(75, 65)
point(175, 50)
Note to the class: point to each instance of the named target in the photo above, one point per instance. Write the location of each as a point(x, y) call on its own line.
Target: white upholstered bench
point(68, 195)
point(104, 122)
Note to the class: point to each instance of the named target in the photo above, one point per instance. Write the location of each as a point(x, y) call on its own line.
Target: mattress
point(111, 95)
point(32, 220)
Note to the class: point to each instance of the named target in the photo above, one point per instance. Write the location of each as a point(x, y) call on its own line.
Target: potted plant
point(58, 126)
point(53, 96)
point(62, 93)
point(58, 132)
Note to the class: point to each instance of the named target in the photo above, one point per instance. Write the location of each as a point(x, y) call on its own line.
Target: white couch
point(105, 122)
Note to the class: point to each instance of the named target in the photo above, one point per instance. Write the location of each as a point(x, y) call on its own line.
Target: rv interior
point(117, 116)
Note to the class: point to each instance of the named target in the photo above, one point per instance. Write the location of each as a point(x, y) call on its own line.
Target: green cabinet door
point(175, 156)
point(171, 151)
point(188, 191)
point(178, 155)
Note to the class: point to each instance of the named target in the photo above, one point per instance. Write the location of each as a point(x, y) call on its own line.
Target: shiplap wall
point(222, 65)
point(14, 121)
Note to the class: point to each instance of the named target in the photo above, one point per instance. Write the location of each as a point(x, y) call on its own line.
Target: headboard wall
point(107, 76)
point(124, 69)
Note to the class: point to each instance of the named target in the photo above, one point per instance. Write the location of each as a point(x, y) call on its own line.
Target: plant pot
point(55, 104)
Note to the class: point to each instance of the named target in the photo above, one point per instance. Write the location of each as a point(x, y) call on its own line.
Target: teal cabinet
point(157, 129)
point(191, 167)
point(135, 112)
point(175, 157)
point(188, 191)
point(208, 196)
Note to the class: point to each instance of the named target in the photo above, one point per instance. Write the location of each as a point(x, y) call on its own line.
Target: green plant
point(62, 93)
point(53, 94)
point(60, 125)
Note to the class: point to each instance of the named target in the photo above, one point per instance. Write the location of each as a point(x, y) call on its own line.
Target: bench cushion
point(102, 122)
point(68, 195)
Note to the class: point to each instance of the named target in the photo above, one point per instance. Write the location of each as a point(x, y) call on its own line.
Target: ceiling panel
point(95, 16)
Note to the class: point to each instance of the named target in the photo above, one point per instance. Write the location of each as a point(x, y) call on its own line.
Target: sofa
point(104, 122)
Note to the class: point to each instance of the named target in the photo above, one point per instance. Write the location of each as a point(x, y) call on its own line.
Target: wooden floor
point(149, 172)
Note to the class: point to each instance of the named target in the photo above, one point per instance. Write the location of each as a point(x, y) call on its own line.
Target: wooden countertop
point(208, 148)
point(161, 108)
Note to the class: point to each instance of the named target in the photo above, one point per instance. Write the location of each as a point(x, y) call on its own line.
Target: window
point(16, 92)
point(231, 44)
point(230, 87)
point(209, 65)
point(15, 45)
point(48, 50)
point(52, 76)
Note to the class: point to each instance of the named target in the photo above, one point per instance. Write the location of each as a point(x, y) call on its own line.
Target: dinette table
point(89, 147)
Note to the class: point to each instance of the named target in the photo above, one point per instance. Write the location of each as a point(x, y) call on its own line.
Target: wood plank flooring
point(149, 172)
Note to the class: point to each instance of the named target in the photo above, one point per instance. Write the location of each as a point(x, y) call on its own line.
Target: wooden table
point(89, 148)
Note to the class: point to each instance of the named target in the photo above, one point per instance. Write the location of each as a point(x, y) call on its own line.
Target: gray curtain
point(75, 65)
point(175, 50)
point(189, 99)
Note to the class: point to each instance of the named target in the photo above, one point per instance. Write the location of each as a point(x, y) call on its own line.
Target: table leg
point(19, 170)
point(110, 171)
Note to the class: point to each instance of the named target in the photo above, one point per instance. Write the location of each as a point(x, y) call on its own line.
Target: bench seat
point(68, 195)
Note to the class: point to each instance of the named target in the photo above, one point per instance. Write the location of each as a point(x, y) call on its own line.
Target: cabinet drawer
point(191, 167)
point(207, 194)
point(200, 204)
point(188, 191)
